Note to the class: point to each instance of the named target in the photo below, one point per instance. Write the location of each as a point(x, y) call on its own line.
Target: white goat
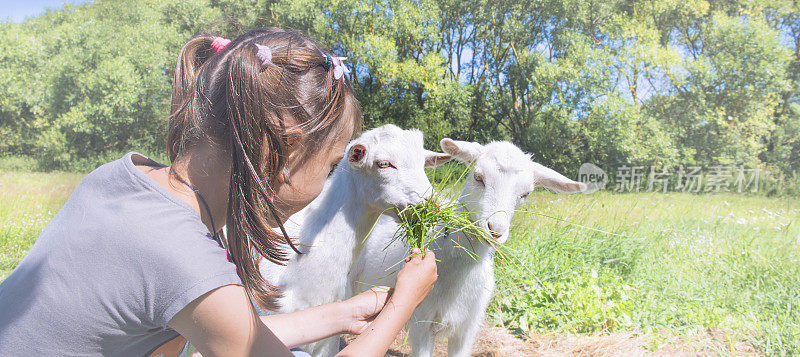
point(500, 179)
point(382, 170)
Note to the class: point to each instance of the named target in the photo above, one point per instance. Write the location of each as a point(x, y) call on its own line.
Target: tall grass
point(675, 262)
point(27, 202)
point(681, 262)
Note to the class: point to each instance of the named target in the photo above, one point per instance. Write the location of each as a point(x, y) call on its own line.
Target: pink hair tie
point(264, 54)
point(220, 44)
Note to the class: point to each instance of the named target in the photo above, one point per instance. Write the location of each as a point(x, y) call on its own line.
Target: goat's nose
point(495, 234)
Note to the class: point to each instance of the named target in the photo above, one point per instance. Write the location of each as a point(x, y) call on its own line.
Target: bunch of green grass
point(420, 223)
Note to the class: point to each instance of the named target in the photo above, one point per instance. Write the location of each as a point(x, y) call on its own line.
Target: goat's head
point(388, 164)
point(501, 177)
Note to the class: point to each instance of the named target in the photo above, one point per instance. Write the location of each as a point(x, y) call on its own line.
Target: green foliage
point(421, 223)
point(728, 94)
point(91, 80)
point(661, 82)
point(579, 301)
point(17, 164)
point(616, 133)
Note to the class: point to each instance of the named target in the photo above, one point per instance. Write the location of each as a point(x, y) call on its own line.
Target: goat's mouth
point(489, 237)
point(398, 211)
point(405, 213)
point(410, 211)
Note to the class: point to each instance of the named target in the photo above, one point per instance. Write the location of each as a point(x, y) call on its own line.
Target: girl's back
point(110, 270)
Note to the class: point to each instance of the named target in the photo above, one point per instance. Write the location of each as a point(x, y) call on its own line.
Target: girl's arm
point(414, 282)
point(375, 341)
point(313, 324)
point(223, 322)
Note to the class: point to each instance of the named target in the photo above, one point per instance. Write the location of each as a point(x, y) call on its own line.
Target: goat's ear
point(433, 158)
point(549, 178)
point(464, 151)
point(357, 155)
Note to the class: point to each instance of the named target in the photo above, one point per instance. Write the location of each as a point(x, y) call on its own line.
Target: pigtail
point(259, 150)
point(191, 58)
point(252, 104)
point(193, 55)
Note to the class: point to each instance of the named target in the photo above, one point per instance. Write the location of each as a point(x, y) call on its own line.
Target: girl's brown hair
point(260, 115)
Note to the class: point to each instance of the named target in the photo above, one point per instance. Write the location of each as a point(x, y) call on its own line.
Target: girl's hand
point(416, 279)
point(414, 282)
point(365, 307)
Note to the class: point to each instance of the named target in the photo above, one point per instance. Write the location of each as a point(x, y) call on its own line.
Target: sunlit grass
point(588, 263)
point(680, 262)
point(27, 202)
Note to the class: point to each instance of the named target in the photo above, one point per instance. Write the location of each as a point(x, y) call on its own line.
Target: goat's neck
point(359, 215)
point(342, 206)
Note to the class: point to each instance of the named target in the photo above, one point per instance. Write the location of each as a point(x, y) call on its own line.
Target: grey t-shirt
point(111, 269)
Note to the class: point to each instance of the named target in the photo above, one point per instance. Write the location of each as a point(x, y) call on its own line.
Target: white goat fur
point(331, 226)
point(456, 306)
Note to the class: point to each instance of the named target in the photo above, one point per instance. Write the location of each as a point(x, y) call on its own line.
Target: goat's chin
point(488, 241)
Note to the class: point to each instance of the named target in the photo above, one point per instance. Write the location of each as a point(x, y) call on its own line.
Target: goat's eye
point(478, 177)
point(383, 164)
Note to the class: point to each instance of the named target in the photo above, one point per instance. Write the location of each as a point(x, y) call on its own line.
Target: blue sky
point(18, 10)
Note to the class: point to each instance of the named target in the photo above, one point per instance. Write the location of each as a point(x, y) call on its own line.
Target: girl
point(136, 257)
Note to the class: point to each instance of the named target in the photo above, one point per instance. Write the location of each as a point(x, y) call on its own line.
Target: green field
point(27, 202)
point(681, 262)
point(674, 262)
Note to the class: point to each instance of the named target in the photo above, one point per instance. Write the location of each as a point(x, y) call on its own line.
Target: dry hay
point(495, 341)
